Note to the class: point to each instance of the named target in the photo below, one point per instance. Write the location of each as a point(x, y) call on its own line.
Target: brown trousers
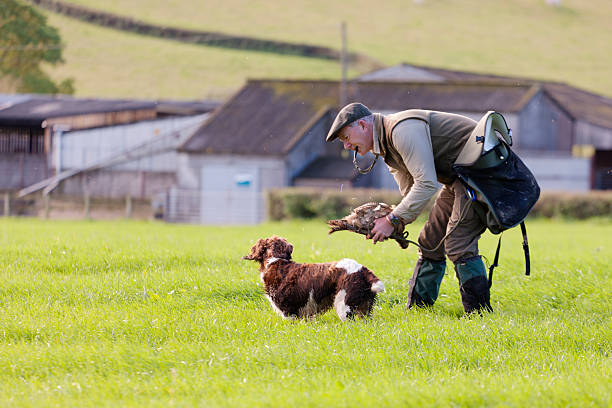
point(462, 243)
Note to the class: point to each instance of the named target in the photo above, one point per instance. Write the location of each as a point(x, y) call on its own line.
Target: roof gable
point(401, 73)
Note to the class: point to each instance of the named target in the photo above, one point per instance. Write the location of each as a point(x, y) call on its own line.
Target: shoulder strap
point(494, 264)
point(525, 249)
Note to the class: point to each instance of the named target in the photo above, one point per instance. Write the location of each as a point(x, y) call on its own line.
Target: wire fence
point(180, 205)
point(63, 206)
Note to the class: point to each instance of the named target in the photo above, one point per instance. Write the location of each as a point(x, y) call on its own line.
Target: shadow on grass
point(399, 302)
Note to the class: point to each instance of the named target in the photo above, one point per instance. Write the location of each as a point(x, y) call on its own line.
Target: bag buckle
point(499, 152)
point(470, 193)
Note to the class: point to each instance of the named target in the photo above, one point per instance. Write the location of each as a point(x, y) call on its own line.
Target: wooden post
point(128, 206)
point(343, 57)
point(46, 205)
point(87, 205)
point(7, 204)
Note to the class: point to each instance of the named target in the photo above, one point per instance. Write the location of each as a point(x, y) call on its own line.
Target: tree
point(26, 41)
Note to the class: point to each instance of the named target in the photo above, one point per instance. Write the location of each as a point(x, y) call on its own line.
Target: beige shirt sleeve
point(403, 180)
point(412, 141)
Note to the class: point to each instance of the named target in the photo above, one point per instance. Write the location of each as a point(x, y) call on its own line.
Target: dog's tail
point(378, 287)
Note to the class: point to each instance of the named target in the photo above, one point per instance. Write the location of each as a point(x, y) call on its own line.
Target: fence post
point(87, 205)
point(128, 206)
point(46, 205)
point(7, 204)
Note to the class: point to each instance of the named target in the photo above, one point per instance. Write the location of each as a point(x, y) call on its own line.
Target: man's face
point(357, 137)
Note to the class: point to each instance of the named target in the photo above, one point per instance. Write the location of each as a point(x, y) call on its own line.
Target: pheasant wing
point(361, 221)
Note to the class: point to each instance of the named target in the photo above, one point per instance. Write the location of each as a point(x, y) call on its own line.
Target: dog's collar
point(270, 261)
point(273, 259)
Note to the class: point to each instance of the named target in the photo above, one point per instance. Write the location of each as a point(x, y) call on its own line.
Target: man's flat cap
point(348, 114)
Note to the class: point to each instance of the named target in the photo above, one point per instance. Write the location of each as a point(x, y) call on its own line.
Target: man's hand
point(382, 229)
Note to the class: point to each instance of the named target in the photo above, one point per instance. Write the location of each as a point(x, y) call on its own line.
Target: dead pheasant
point(361, 221)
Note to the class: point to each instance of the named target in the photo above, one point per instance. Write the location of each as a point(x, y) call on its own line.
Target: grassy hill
point(109, 63)
point(515, 37)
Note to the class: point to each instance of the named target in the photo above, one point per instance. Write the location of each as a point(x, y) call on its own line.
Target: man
point(420, 148)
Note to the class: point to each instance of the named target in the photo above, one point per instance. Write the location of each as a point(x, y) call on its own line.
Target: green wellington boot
point(473, 285)
point(425, 282)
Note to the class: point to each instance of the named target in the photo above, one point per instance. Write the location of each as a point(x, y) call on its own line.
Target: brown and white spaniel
point(303, 290)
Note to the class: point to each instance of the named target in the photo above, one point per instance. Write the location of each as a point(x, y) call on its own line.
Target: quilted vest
point(448, 133)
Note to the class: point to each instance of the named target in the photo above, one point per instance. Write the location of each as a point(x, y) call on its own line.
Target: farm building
point(271, 134)
point(110, 148)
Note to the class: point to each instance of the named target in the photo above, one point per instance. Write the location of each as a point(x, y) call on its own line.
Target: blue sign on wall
point(243, 180)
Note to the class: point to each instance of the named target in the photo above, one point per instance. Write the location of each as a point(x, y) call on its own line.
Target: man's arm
point(412, 141)
point(404, 181)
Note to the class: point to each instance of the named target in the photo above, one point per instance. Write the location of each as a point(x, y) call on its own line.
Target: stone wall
point(192, 36)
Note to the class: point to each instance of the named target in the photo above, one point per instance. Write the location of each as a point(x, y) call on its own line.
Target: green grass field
point(150, 314)
point(516, 37)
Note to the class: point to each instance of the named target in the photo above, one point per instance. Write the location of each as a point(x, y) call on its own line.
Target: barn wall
point(19, 170)
point(22, 157)
point(598, 137)
point(143, 177)
point(80, 148)
point(544, 126)
point(119, 183)
point(559, 172)
point(223, 189)
point(311, 147)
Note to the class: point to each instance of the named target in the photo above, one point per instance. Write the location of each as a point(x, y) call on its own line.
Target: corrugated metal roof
point(266, 116)
point(177, 107)
point(446, 96)
point(35, 109)
point(8, 100)
point(582, 105)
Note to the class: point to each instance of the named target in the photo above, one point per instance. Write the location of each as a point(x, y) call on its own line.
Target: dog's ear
point(281, 248)
point(257, 251)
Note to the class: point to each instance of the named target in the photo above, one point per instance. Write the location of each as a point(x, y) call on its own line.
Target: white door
point(230, 195)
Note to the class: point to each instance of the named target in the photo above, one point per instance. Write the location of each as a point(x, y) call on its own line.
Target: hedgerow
point(308, 202)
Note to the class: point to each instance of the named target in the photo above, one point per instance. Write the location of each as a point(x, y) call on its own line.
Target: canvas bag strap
point(494, 264)
point(525, 249)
